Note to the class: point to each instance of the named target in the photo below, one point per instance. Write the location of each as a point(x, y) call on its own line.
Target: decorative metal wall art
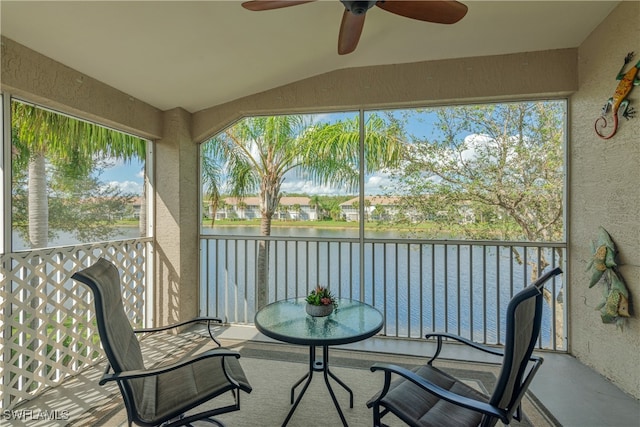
point(614, 307)
point(619, 100)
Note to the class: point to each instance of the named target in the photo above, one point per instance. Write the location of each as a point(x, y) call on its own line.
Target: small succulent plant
point(321, 296)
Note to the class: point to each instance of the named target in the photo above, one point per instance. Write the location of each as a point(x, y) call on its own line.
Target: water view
point(420, 286)
point(406, 280)
point(66, 239)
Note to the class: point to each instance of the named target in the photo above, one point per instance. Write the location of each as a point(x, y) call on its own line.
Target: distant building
point(377, 208)
point(136, 205)
point(289, 209)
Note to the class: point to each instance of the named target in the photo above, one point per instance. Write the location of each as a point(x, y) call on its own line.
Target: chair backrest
point(116, 333)
point(524, 317)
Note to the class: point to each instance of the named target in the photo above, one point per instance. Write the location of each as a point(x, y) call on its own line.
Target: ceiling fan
point(438, 11)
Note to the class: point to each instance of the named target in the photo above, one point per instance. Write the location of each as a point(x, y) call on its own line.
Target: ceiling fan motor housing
point(358, 7)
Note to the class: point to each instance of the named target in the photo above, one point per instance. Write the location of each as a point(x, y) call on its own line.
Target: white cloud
point(374, 184)
point(128, 187)
point(487, 148)
point(377, 184)
point(308, 187)
point(474, 144)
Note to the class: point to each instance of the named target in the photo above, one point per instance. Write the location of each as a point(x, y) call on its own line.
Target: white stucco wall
point(28, 75)
point(177, 212)
point(605, 191)
point(502, 77)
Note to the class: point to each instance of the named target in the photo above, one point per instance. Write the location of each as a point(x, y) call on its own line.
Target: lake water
point(67, 239)
point(437, 287)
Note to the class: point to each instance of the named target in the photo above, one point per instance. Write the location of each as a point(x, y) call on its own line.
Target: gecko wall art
point(619, 102)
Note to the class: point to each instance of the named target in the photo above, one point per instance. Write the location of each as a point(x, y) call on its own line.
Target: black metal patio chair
point(428, 396)
point(159, 395)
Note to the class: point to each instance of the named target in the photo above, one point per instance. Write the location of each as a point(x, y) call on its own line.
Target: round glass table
point(287, 321)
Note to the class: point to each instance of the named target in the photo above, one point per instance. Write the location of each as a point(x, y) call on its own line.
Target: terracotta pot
point(319, 310)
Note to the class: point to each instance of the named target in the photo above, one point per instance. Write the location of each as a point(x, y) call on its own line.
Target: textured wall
point(605, 191)
point(36, 78)
point(531, 74)
point(176, 220)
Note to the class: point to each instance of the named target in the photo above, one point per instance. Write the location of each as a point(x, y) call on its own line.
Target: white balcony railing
point(421, 285)
point(47, 319)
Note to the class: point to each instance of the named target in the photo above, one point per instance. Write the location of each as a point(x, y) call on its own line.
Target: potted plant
point(320, 302)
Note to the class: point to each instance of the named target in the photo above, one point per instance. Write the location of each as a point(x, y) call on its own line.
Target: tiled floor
point(575, 394)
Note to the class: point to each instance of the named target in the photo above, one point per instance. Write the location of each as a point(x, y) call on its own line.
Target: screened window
point(483, 171)
point(73, 181)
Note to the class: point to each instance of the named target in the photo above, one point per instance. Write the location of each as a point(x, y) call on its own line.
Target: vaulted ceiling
point(197, 54)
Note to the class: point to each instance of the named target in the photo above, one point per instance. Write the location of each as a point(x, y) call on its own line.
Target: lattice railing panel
point(46, 318)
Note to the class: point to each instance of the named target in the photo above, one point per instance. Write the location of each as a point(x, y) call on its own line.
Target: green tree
point(45, 141)
point(504, 160)
point(81, 205)
point(331, 205)
point(222, 205)
point(258, 152)
point(367, 209)
point(296, 208)
point(282, 211)
point(53, 157)
point(379, 212)
point(242, 208)
point(336, 213)
point(316, 204)
point(211, 180)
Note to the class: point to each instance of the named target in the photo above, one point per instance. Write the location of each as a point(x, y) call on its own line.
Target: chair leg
point(376, 416)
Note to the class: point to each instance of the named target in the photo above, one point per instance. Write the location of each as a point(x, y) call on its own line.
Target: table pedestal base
point(319, 366)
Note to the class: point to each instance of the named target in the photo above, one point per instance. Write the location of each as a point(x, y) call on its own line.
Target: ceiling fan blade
point(258, 5)
point(441, 11)
point(350, 30)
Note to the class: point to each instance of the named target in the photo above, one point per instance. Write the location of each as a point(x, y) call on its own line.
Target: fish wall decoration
point(614, 307)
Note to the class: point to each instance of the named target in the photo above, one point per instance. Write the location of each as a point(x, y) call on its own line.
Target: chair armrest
point(139, 373)
point(466, 402)
point(209, 320)
point(177, 325)
point(440, 336)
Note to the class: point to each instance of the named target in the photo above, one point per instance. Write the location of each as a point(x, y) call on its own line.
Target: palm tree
point(336, 213)
point(356, 207)
point(379, 212)
point(282, 211)
point(314, 203)
point(258, 152)
point(222, 205)
point(367, 208)
point(242, 208)
point(210, 183)
point(296, 208)
point(43, 137)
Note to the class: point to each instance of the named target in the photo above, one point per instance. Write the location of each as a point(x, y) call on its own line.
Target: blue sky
point(128, 176)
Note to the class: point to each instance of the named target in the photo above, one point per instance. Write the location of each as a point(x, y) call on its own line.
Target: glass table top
point(288, 321)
